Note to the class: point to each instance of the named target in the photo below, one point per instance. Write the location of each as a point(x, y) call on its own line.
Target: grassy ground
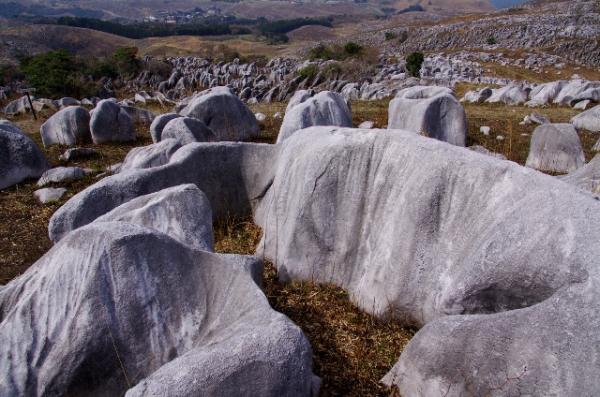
point(351, 350)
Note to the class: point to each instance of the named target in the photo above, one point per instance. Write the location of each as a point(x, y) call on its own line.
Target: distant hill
point(507, 3)
point(446, 6)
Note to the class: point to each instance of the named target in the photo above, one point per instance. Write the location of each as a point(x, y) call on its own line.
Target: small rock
point(49, 194)
point(366, 124)
point(260, 117)
point(277, 115)
point(499, 138)
point(582, 105)
point(485, 130)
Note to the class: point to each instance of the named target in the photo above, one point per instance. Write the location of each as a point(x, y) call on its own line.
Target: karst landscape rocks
point(459, 203)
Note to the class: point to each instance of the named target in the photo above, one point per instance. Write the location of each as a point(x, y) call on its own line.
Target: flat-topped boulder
point(431, 111)
point(555, 148)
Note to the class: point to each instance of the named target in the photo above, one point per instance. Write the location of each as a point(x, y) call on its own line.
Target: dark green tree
point(414, 62)
point(351, 48)
point(52, 73)
point(126, 61)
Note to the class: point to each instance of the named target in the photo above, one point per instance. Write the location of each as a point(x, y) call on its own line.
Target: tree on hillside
point(126, 61)
point(51, 73)
point(414, 62)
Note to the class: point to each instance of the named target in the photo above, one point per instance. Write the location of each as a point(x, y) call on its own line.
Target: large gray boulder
point(18, 106)
point(588, 120)
point(149, 156)
point(544, 94)
point(159, 123)
point(479, 96)
point(111, 123)
point(324, 109)
point(586, 177)
point(234, 176)
point(20, 158)
point(224, 113)
point(496, 262)
point(118, 309)
point(431, 111)
point(299, 97)
point(181, 212)
point(509, 95)
point(70, 126)
point(555, 148)
point(187, 130)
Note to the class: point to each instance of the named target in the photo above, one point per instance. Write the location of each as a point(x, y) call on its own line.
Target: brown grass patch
point(352, 350)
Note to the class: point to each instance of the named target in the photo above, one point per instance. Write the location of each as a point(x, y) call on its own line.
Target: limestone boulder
point(69, 126)
point(159, 123)
point(186, 130)
point(111, 123)
point(439, 116)
point(20, 157)
point(224, 113)
point(120, 309)
point(555, 148)
point(324, 109)
point(588, 120)
point(150, 156)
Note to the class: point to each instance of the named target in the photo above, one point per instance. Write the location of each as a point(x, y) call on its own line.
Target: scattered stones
point(20, 158)
point(186, 130)
point(62, 174)
point(49, 194)
point(555, 148)
point(430, 111)
point(111, 123)
point(69, 126)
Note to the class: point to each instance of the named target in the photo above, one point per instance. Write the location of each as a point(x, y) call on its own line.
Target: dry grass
point(351, 349)
point(23, 235)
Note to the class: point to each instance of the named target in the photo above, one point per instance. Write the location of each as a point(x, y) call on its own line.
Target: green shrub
point(321, 52)
point(52, 73)
point(352, 48)
point(390, 35)
point(308, 72)
point(126, 61)
point(414, 62)
point(491, 40)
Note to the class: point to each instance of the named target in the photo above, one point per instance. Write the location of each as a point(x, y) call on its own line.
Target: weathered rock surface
point(586, 177)
point(181, 212)
point(78, 153)
point(324, 109)
point(482, 150)
point(507, 289)
point(69, 126)
point(49, 194)
point(149, 156)
point(61, 174)
point(588, 120)
point(430, 111)
point(186, 130)
point(224, 113)
point(234, 176)
point(20, 158)
point(116, 306)
point(159, 123)
point(111, 123)
point(555, 148)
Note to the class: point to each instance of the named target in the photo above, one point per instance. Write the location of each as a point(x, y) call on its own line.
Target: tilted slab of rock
point(588, 120)
point(69, 126)
point(234, 176)
point(20, 158)
point(117, 308)
point(224, 113)
point(555, 148)
point(430, 111)
point(499, 261)
point(181, 212)
point(62, 174)
point(586, 177)
point(149, 156)
point(325, 108)
point(109, 122)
